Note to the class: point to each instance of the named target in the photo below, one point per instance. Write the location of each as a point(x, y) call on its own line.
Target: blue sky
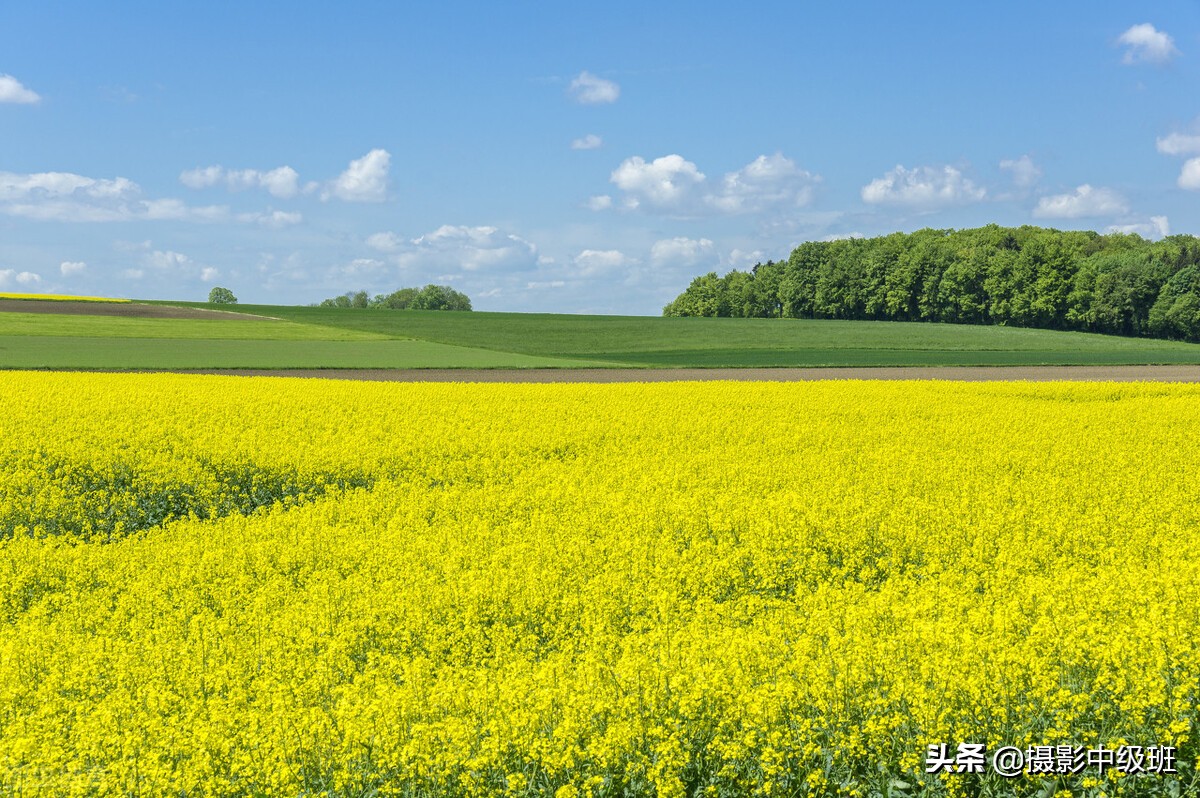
point(566, 157)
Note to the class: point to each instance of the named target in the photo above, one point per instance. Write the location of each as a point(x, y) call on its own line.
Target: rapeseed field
point(218, 586)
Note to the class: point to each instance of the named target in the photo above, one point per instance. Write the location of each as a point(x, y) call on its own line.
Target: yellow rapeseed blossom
point(59, 297)
point(255, 586)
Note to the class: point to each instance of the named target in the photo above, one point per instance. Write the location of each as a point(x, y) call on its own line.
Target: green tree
point(440, 297)
point(221, 296)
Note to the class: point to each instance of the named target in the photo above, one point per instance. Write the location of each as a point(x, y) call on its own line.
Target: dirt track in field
point(126, 309)
point(966, 373)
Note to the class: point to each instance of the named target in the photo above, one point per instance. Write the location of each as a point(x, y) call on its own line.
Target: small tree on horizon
point(221, 296)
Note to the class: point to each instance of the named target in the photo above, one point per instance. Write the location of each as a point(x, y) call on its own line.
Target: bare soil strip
point(127, 309)
point(1178, 373)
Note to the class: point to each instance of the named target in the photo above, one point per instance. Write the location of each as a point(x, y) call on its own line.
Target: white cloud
point(600, 202)
point(592, 262)
point(681, 251)
point(1178, 144)
point(589, 142)
point(11, 91)
point(273, 220)
point(70, 268)
point(739, 257)
point(675, 185)
point(767, 180)
point(923, 187)
point(363, 267)
point(282, 182)
point(384, 242)
point(665, 182)
point(843, 237)
point(1189, 177)
point(63, 184)
point(1157, 227)
point(1083, 202)
point(208, 274)
point(365, 180)
point(133, 274)
point(67, 197)
point(1145, 43)
point(167, 260)
point(202, 177)
point(588, 89)
point(480, 248)
point(1024, 171)
point(26, 279)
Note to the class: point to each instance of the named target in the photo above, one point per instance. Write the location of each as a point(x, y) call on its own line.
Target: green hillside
point(725, 342)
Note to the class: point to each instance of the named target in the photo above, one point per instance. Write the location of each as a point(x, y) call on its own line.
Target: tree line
point(431, 297)
point(1024, 276)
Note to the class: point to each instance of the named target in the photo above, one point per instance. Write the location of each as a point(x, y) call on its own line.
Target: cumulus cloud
point(25, 279)
point(600, 202)
point(1024, 171)
point(1085, 201)
point(925, 187)
point(384, 242)
point(366, 268)
point(589, 142)
point(202, 177)
point(1156, 227)
point(767, 180)
point(1183, 144)
point(282, 182)
point(664, 182)
point(588, 89)
point(461, 247)
point(594, 262)
point(273, 220)
point(1189, 178)
point(208, 274)
point(70, 268)
point(1146, 43)
point(1178, 144)
point(63, 184)
point(365, 179)
point(675, 185)
point(11, 91)
point(167, 260)
point(63, 196)
point(739, 257)
point(682, 251)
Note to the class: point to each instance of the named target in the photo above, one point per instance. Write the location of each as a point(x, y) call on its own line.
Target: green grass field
point(71, 352)
point(249, 329)
point(309, 337)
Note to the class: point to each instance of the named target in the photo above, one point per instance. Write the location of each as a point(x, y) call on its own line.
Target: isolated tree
point(221, 296)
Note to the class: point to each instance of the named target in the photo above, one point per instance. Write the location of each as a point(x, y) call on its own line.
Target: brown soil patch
point(128, 309)
point(1180, 373)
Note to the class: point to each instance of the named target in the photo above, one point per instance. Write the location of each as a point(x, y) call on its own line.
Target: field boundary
point(1170, 373)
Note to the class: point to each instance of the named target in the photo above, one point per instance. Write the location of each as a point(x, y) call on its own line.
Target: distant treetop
point(431, 297)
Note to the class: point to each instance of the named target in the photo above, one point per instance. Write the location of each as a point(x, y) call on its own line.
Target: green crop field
point(236, 327)
point(647, 341)
point(70, 352)
point(309, 337)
